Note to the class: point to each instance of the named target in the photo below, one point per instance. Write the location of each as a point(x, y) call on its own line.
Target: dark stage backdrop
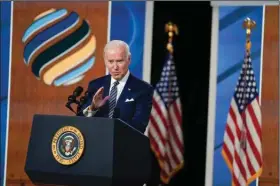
point(192, 59)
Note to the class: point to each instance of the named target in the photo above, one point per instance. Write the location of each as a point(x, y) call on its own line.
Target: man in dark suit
point(123, 93)
point(120, 93)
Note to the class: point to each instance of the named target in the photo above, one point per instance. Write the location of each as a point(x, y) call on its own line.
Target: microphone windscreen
point(77, 92)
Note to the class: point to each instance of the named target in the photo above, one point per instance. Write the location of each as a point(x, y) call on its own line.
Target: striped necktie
point(113, 99)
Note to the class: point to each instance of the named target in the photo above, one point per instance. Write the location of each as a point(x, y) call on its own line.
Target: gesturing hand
point(97, 100)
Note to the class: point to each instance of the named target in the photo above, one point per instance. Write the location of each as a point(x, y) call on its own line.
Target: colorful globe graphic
point(59, 47)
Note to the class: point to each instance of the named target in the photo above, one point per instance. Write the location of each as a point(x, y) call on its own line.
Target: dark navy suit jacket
point(135, 113)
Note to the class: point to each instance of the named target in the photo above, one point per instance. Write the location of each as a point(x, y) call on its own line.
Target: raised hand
point(97, 100)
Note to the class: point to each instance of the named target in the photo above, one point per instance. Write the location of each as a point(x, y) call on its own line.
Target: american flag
point(165, 123)
point(242, 148)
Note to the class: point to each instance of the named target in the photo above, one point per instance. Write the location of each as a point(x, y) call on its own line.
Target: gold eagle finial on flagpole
point(249, 25)
point(171, 28)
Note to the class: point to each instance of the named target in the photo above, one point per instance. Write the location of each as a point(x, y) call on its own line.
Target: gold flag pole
point(171, 28)
point(248, 25)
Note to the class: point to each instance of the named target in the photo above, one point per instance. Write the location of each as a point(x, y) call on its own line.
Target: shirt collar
point(123, 80)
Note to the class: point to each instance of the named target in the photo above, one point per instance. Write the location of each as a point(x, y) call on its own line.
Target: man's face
point(117, 62)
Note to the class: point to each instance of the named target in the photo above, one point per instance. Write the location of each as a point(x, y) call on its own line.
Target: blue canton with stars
point(246, 89)
point(168, 87)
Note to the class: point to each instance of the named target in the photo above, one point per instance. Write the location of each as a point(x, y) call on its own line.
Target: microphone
point(77, 92)
point(73, 98)
point(83, 100)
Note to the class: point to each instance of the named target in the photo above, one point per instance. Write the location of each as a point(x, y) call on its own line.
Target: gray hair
point(117, 44)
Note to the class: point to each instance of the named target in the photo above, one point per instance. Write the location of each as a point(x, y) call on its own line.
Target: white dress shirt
point(122, 82)
point(120, 86)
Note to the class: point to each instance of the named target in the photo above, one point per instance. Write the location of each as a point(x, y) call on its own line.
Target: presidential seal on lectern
point(68, 145)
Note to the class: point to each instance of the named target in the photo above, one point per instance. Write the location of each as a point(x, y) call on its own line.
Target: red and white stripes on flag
point(242, 148)
point(165, 124)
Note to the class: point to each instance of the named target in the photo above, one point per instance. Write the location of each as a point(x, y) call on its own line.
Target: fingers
point(99, 91)
point(104, 100)
point(97, 97)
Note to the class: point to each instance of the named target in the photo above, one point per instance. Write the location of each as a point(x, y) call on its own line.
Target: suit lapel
point(106, 85)
point(126, 91)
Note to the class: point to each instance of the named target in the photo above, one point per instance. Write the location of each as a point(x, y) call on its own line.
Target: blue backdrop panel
point(128, 24)
point(230, 58)
point(5, 12)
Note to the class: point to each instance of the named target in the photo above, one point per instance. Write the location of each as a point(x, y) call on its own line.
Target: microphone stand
point(73, 99)
point(83, 100)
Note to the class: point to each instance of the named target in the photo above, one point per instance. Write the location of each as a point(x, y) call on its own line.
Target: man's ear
point(129, 59)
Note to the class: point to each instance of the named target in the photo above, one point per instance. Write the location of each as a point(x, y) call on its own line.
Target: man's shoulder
point(141, 84)
point(98, 81)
